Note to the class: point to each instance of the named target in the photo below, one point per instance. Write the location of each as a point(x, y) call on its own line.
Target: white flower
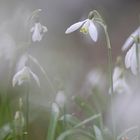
point(96, 78)
point(60, 98)
point(24, 75)
point(131, 43)
point(130, 59)
point(38, 32)
point(55, 108)
point(87, 26)
point(119, 83)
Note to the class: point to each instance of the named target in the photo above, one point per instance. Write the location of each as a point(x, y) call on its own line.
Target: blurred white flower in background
point(132, 43)
point(60, 98)
point(119, 83)
point(95, 79)
point(38, 31)
point(24, 75)
point(55, 108)
point(86, 26)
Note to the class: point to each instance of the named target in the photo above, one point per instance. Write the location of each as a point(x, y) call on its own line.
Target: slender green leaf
point(53, 122)
point(70, 119)
point(88, 120)
point(75, 131)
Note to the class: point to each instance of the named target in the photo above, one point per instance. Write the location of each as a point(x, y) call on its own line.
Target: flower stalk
point(27, 111)
point(137, 56)
point(110, 69)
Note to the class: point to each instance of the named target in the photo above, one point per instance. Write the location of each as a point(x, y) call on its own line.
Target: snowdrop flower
point(96, 78)
point(24, 75)
point(38, 31)
point(132, 43)
point(86, 26)
point(119, 84)
point(55, 108)
point(60, 98)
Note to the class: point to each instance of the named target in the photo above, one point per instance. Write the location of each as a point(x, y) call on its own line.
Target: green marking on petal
point(84, 30)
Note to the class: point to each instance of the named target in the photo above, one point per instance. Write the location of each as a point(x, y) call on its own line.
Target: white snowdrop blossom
point(24, 75)
point(55, 108)
point(60, 98)
point(131, 45)
point(96, 78)
point(130, 59)
point(86, 26)
point(119, 83)
point(38, 31)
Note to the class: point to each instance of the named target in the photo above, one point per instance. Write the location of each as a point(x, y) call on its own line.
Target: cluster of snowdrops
point(67, 126)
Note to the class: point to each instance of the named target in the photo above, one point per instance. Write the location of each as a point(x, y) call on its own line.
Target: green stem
point(27, 111)
point(64, 121)
point(110, 66)
point(137, 56)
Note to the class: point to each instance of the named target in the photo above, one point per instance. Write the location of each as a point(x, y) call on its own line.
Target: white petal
point(128, 57)
point(38, 28)
point(136, 33)
point(36, 36)
point(134, 61)
point(44, 28)
point(117, 73)
point(93, 31)
point(60, 98)
point(55, 108)
point(17, 78)
point(75, 27)
point(21, 76)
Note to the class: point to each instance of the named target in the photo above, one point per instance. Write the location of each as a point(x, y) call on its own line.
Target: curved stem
point(137, 56)
point(110, 69)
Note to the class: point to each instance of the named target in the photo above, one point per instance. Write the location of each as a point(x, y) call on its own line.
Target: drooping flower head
point(86, 26)
point(119, 81)
point(24, 75)
point(60, 98)
point(132, 56)
point(38, 31)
